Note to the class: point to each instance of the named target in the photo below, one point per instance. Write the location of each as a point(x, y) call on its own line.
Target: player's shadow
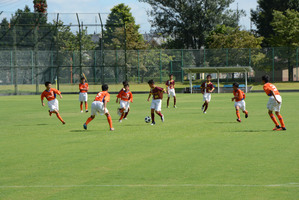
point(253, 131)
point(78, 131)
point(222, 122)
point(41, 124)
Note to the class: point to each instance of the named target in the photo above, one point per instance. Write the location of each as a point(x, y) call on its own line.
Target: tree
point(188, 22)
point(263, 15)
point(286, 34)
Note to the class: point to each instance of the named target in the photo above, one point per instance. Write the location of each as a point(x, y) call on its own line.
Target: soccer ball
point(147, 119)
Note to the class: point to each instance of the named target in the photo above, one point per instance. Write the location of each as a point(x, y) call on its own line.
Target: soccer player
point(274, 103)
point(83, 96)
point(50, 95)
point(207, 88)
point(170, 90)
point(157, 93)
point(100, 105)
point(124, 98)
point(239, 97)
point(123, 89)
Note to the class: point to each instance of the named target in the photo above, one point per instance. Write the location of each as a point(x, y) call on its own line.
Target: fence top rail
point(228, 69)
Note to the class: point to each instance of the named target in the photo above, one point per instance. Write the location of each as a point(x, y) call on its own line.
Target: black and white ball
point(147, 119)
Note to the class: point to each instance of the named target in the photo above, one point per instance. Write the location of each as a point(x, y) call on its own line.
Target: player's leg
point(86, 103)
point(88, 120)
point(158, 109)
point(243, 108)
point(206, 106)
point(86, 106)
point(153, 116)
point(94, 110)
point(273, 119)
point(122, 114)
point(174, 101)
point(81, 106)
point(126, 113)
point(168, 101)
point(59, 117)
point(109, 121)
point(238, 112)
point(280, 120)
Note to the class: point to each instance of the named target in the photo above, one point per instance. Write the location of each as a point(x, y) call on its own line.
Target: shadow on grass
point(41, 124)
point(78, 131)
point(222, 122)
point(252, 131)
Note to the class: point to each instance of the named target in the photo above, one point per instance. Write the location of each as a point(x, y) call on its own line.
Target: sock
point(109, 121)
point(88, 120)
point(122, 116)
point(281, 120)
point(274, 119)
point(86, 106)
point(174, 101)
point(159, 113)
point(126, 114)
point(59, 117)
point(168, 101)
point(122, 110)
point(246, 112)
point(153, 117)
point(238, 114)
point(207, 105)
point(81, 106)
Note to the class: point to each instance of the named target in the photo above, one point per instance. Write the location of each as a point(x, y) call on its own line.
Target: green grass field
point(190, 156)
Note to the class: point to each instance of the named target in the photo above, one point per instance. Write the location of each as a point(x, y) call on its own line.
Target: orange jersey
point(103, 96)
point(125, 96)
point(268, 87)
point(239, 94)
point(50, 94)
point(82, 87)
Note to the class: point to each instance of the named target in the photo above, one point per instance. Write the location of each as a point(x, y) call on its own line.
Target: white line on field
point(141, 185)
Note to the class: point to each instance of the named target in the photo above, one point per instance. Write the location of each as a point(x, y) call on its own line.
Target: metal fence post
point(15, 59)
point(182, 65)
point(94, 68)
point(32, 68)
point(273, 63)
point(138, 65)
point(297, 62)
point(11, 67)
point(116, 66)
point(160, 60)
point(226, 57)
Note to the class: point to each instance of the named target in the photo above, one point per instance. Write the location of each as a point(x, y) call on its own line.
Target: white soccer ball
point(147, 119)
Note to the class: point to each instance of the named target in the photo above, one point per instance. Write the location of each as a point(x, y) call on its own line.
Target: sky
point(139, 10)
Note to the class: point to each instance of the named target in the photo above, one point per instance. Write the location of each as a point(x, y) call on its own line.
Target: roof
point(217, 69)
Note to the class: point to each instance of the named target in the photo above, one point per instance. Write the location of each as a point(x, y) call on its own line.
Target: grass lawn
point(190, 156)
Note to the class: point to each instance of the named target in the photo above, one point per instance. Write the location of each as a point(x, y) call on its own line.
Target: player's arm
point(131, 97)
point(272, 94)
point(118, 97)
point(58, 92)
point(149, 96)
point(213, 88)
point(42, 100)
point(105, 104)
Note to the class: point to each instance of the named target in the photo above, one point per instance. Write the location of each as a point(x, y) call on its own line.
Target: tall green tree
point(263, 15)
point(188, 22)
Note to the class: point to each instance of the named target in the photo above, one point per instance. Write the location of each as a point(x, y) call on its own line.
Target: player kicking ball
point(170, 90)
point(124, 98)
point(83, 96)
point(156, 105)
point(239, 97)
point(274, 103)
point(50, 95)
point(207, 88)
point(99, 105)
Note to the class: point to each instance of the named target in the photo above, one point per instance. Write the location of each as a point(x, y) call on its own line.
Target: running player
point(125, 97)
point(239, 97)
point(207, 88)
point(83, 96)
point(170, 90)
point(99, 105)
point(274, 103)
point(50, 95)
point(157, 93)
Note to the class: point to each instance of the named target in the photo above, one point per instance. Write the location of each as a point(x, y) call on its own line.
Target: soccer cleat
point(85, 126)
point(162, 118)
point(238, 120)
point(153, 123)
point(120, 121)
point(86, 111)
point(81, 111)
point(204, 112)
point(174, 106)
point(63, 122)
point(111, 129)
point(125, 118)
point(284, 128)
point(50, 113)
point(276, 128)
point(167, 106)
point(246, 115)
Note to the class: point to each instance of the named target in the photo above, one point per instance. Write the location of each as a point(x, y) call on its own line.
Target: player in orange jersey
point(170, 90)
point(50, 95)
point(239, 97)
point(207, 88)
point(124, 98)
point(83, 96)
point(274, 103)
point(156, 105)
point(99, 105)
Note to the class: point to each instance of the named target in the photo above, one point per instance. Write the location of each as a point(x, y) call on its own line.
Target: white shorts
point(171, 93)
point(98, 107)
point(53, 105)
point(272, 104)
point(156, 104)
point(241, 104)
point(83, 96)
point(207, 97)
point(125, 105)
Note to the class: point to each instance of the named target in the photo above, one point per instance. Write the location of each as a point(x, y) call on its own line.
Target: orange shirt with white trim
point(103, 96)
point(268, 87)
point(50, 94)
point(125, 95)
point(82, 87)
point(239, 94)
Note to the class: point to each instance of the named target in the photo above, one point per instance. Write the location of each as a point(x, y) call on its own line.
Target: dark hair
point(105, 87)
point(82, 78)
point(266, 78)
point(170, 75)
point(125, 82)
point(236, 84)
point(151, 81)
point(47, 83)
point(125, 85)
point(209, 75)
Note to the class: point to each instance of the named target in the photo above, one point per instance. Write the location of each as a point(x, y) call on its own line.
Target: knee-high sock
point(168, 101)
point(122, 116)
point(153, 117)
point(246, 112)
point(206, 108)
point(88, 120)
point(126, 114)
point(281, 120)
point(86, 105)
point(274, 119)
point(81, 105)
point(109, 121)
point(238, 114)
point(59, 117)
point(159, 113)
point(174, 101)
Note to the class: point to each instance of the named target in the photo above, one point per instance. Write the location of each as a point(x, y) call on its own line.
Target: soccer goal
point(218, 70)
